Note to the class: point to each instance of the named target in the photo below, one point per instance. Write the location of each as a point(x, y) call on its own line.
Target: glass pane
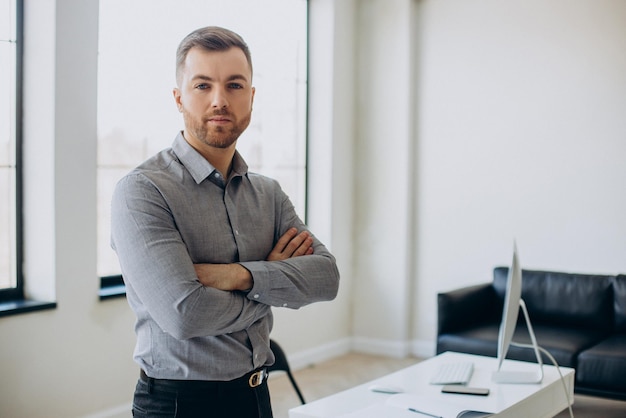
point(7, 145)
point(137, 115)
point(7, 20)
point(7, 104)
point(7, 228)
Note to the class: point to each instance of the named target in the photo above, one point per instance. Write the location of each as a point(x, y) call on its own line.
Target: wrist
point(244, 279)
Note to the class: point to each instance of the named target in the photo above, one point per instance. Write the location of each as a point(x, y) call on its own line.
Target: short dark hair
point(210, 38)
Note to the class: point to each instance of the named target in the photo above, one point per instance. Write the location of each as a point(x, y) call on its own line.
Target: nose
point(218, 99)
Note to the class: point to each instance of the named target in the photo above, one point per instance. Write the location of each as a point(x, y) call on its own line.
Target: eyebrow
point(230, 78)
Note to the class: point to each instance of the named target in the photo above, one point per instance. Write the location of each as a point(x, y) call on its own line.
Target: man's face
point(215, 96)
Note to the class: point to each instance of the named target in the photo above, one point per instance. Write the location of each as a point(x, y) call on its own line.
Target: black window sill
point(112, 287)
point(112, 292)
point(21, 306)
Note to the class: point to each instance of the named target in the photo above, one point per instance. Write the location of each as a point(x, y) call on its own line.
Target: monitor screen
point(510, 311)
point(512, 304)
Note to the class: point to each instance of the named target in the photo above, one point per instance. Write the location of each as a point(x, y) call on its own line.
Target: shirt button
point(236, 232)
point(256, 296)
point(284, 305)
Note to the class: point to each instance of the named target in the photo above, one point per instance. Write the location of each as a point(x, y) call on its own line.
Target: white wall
point(441, 131)
point(521, 133)
point(383, 184)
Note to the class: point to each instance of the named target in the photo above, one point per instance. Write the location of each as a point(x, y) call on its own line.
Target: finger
point(277, 252)
point(292, 248)
point(304, 247)
point(284, 240)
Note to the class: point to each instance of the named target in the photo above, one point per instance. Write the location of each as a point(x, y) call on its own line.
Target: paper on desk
point(380, 410)
point(425, 406)
point(405, 405)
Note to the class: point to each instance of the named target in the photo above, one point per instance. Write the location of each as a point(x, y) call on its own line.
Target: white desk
point(542, 400)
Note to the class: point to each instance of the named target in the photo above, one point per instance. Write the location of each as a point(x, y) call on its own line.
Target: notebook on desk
point(406, 405)
point(380, 410)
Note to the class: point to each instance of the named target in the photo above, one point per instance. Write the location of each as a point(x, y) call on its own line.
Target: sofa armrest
point(462, 308)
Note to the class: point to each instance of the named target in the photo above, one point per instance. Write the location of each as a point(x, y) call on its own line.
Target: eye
point(235, 86)
point(202, 86)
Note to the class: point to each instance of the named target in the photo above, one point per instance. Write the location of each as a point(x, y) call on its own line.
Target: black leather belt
point(249, 380)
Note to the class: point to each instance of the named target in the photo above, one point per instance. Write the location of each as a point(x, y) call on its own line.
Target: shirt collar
point(198, 166)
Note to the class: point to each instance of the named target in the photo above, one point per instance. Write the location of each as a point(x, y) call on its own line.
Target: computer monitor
point(512, 303)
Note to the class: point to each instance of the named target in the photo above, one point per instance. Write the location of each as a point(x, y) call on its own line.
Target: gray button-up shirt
point(175, 210)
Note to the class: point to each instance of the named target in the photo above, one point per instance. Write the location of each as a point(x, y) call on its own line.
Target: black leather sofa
point(579, 318)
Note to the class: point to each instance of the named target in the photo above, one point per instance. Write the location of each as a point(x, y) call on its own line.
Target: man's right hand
point(291, 244)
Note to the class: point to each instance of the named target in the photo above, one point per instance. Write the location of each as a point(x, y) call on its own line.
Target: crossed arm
point(234, 276)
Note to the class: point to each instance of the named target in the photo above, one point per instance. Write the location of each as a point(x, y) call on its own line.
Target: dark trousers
point(184, 399)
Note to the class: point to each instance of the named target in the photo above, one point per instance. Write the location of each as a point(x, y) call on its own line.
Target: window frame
point(13, 300)
point(17, 292)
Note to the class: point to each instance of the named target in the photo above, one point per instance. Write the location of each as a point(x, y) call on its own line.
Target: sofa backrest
point(564, 299)
point(619, 287)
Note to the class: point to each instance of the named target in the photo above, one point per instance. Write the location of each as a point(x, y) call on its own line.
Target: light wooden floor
point(350, 370)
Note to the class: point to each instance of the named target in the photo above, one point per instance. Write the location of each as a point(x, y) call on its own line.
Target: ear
point(177, 98)
point(252, 97)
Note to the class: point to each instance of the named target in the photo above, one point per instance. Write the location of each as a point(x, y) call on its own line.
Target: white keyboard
point(457, 373)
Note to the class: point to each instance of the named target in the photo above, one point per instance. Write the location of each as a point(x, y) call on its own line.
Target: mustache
point(220, 112)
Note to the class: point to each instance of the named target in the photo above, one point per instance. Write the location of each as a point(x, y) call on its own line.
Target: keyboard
point(457, 373)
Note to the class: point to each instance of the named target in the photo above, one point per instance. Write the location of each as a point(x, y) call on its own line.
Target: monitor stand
point(517, 376)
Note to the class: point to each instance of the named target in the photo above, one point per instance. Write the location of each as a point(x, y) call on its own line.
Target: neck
point(220, 158)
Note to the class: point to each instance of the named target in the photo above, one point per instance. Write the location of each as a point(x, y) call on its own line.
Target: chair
point(282, 364)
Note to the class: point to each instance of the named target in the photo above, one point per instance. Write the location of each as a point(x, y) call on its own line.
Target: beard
point(216, 136)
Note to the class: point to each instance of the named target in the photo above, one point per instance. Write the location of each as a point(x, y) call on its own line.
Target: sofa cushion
point(480, 340)
point(564, 299)
point(619, 287)
point(604, 365)
point(562, 343)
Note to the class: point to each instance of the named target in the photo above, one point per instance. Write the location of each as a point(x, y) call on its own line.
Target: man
point(206, 248)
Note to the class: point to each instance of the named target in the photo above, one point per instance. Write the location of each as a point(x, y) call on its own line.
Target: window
point(137, 116)
point(10, 133)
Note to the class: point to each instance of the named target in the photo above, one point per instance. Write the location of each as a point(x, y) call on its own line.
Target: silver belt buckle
point(256, 378)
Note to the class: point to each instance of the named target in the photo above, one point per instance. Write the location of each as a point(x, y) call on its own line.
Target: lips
point(219, 119)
